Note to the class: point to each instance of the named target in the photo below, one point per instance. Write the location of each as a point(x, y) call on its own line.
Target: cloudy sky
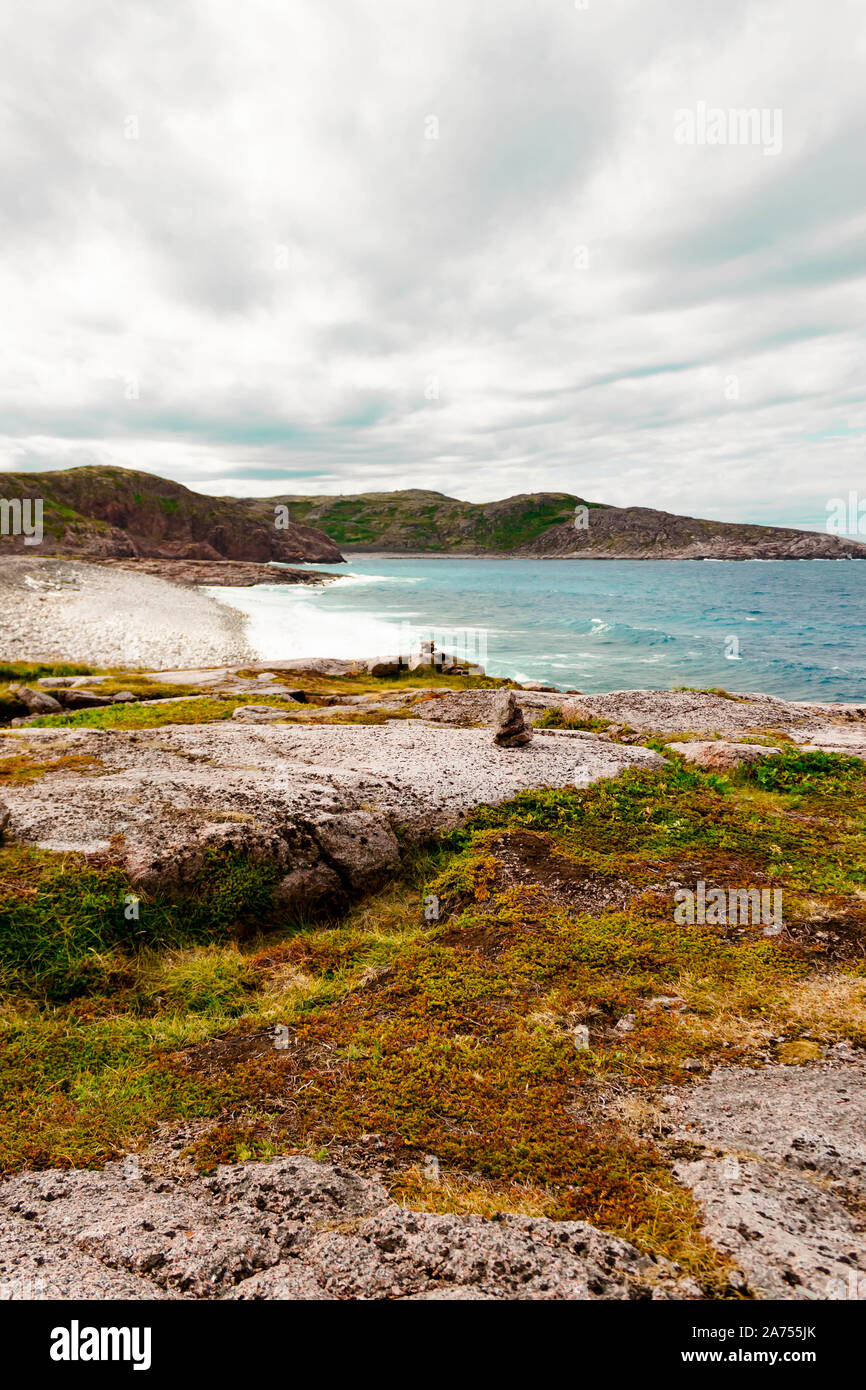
point(342, 245)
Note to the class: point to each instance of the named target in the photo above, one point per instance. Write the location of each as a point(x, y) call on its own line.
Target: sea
point(796, 629)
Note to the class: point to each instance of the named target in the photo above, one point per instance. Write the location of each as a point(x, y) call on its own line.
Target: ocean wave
point(345, 580)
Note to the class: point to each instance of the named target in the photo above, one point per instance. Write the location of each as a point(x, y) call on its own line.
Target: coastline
point(62, 610)
point(350, 552)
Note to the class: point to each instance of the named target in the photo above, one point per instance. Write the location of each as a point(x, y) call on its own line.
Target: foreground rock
point(36, 701)
point(468, 707)
point(258, 714)
point(783, 1176)
point(160, 798)
point(293, 1229)
point(721, 754)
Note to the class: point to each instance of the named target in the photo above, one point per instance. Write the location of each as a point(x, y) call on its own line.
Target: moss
point(198, 710)
point(824, 774)
point(22, 767)
point(454, 1037)
point(23, 671)
point(553, 718)
point(66, 926)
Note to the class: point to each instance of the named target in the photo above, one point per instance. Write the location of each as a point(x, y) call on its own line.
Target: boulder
point(721, 755)
point(539, 685)
point(5, 815)
point(574, 710)
point(36, 701)
point(258, 714)
point(123, 697)
point(512, 729)
point(383, 666)
point(361, 846)
point(304, 889)
point(83, 699)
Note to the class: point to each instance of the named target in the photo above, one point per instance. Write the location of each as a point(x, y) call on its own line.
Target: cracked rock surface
point(293, 1228)
point(781, 1182)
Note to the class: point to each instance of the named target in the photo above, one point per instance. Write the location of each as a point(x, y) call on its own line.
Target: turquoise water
point(794, 629)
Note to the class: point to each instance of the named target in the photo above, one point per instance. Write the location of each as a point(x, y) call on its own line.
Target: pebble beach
point(66, 610)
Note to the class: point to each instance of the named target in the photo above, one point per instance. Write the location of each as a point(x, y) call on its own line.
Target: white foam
point(295, 620)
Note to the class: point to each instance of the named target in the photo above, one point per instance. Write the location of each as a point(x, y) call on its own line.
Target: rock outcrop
point(721, 755)
point(293, 1229)
point(36, 701)
point(782, 1175)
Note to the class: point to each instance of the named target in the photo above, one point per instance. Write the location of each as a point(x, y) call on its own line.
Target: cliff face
point(542, 524)
point(116, 513)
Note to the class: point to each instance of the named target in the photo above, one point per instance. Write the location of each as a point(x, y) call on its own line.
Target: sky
point(480, 246)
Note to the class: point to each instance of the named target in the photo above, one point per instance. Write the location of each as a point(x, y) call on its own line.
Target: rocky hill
point(543, 524)
point(117, 513)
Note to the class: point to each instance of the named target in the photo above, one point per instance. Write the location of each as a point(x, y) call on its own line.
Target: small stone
point(305, 888)
point(670, 1002)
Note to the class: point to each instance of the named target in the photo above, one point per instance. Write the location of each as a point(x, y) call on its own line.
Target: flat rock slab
point(293, 1229)
point(257, 781)
point(465, 707)
point(318, 802)
point(693, 711)
point(783, 1184)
